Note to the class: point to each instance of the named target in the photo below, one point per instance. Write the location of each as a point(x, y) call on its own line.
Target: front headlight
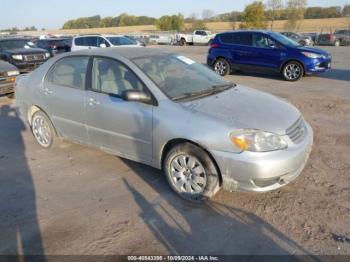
point(13, 73)
point(17, 57)
point(47, 54)
point(257, 140)
point(311, 55)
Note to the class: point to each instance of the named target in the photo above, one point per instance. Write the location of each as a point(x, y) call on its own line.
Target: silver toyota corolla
point(169, 112)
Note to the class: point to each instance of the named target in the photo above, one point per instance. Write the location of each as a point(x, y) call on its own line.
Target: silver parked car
point(169, 112)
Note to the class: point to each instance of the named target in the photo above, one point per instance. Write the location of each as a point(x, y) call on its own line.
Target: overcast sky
point(52, 14)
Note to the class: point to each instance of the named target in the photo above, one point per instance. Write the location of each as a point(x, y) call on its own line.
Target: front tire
point(222, 66)
point(191, 173)
point(43, 130)
point(292, 71)
point(11, 96)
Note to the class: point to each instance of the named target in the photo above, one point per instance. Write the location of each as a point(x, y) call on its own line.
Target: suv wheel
point(182, 42)
point(43, 130)
point(292, 71)
point(222, 66)
point(191, 173)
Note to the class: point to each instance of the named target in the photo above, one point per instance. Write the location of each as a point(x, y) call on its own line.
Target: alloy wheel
point(292, 71)
point(220, 67)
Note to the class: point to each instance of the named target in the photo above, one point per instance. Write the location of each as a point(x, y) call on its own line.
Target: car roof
point(125, 52)
point(51, 39)
point(95, 35)
point(248, 31)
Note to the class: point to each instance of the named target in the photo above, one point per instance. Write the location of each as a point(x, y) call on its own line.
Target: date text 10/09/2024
point(173, 258)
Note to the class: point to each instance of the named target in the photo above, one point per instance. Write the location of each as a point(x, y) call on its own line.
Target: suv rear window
point(86, 41)
point(236, 38)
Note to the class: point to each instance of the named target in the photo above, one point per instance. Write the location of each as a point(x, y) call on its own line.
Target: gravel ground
point(74, 200)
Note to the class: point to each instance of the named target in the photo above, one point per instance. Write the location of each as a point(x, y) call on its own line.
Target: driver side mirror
point(103, 45)
point(137, 96)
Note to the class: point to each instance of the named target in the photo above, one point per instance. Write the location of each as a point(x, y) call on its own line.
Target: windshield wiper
point(207, 92)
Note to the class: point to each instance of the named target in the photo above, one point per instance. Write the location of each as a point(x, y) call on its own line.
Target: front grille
point(297, 131)
point(34, 57)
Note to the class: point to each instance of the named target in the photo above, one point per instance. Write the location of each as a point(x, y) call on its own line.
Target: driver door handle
point(93, 102)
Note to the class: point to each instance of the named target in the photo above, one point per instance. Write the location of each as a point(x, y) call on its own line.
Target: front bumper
point(261, 172)
point(318, 65)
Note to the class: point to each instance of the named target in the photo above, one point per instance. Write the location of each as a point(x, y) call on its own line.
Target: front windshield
point(15, 44)
point(180, 77)
point(120, 40)
point(284, 40)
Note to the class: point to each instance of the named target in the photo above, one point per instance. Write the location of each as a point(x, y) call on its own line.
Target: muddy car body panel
point(144, 131)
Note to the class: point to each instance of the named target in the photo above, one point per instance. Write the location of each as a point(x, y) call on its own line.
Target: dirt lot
point(76, 200)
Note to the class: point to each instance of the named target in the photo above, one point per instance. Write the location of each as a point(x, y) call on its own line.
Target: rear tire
point(11, 96)
point(222, 66)
point(182, 42)
point(191, 173)
point(292, 71)
point(43, 130)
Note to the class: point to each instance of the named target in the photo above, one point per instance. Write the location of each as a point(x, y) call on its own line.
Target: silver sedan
point(169, 112)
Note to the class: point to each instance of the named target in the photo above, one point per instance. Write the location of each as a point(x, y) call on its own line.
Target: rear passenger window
point(79, 41)
point(236, 39)
point(70, 71)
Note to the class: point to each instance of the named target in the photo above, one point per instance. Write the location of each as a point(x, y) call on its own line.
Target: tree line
point(257, 14)
point(273, 10)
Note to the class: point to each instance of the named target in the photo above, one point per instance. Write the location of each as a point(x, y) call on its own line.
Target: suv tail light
point(213, 45)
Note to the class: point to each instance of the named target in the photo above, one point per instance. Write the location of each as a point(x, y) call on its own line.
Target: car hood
point(26, 51)
point(313, 50)
point(243, 107)
point(4, 67)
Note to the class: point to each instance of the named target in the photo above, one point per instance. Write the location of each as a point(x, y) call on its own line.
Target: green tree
point(295, 12)
point(198, 25)
point(274, 10)
point(254, 16)
point(346, 11)
point(106, 21)
point(169, 23)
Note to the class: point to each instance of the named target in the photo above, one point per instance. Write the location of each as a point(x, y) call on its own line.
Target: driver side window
point(263, 41)
point(112, 77)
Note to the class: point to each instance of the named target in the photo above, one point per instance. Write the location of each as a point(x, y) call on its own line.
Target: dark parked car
point(22, 53)
point(328, 39)
point(8, 74)
point(265, 51)
point(343, 36)
point(53, 45)
point(68, 40)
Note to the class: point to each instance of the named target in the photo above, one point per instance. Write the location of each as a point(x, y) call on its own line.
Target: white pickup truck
point(199, 37)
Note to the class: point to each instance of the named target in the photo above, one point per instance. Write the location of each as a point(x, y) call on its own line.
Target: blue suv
point(265, 51)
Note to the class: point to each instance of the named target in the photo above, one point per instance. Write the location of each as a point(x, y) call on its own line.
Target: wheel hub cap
point(41, 131)
point(188, 174)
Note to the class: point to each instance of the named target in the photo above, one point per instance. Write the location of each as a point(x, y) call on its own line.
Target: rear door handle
point(93, 102)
